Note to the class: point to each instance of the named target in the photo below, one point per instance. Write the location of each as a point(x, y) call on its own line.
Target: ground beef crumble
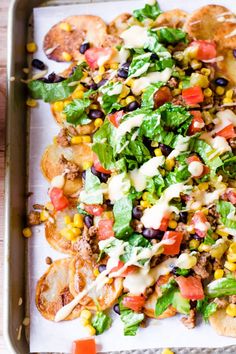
point(190, 320)
point(203, 266)
point(232, 299)
point(72, 169)
point(137, 226)
point(33, 218)
point(221, 303)
point(62, 138)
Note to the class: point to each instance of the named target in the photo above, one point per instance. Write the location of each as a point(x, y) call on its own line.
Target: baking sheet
point(46, 336)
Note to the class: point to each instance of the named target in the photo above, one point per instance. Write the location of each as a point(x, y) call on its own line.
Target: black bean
point(38, 64)
point(44, 79)
point(132, 106)
point(137, 212)
point(151, 233)
point(183, 215)
point(102, 267)
point(221, 81)
point(165, 149)
point(88, 220)
point(101, 83)
point(234, 53)
point(95, 172)
point(85, 46)
point(122, 73)
point(95, 113)
point(53, 78)
point(126, 66)
point(196, 237)
point(154, 57)
point(108, 203)
point(104, 177)
point(84, 175)
point(93, 86)
point(116, 308)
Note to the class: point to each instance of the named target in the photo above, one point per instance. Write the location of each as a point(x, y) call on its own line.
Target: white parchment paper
point(46, 336)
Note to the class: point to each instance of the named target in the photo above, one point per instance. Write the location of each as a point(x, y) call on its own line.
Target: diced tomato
point(193, 95)
point(94, 209)
point(84, 346)
point(58, 199)
point(98, 167)
point(200, 223)
point(105, 229)
point(231, 196)
point(115, 118)
point(163, 279)
point(206, 49)
point(193, 158)
point(173, 248)
point(162, 96)
point(134, 302)
point(129, 269)
point(95, 55)
point(197, 123)
point(164, 223)
point(228, 132)
point(190, 287)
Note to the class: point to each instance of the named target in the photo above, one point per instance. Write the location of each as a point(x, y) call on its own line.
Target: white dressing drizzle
point(129, 124)
point(134, 37)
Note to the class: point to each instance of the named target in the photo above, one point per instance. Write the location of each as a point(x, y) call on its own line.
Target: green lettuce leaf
point(174, 116)
point(168, 35)
point(221, 287)
point(205, 150)
point(166, 299)
point(136, 243)
point(101, 322)
point(148, 11)
point(205, 308)
point(92, 193)
point(139, 64)
point(148, 95)
point(110, 93)
point(130, 319)
point(75, 112)
point(123, 215)
point(161, 64)
point(155, 46)
point(224, 209)
point(229, 167)
point(181, 304)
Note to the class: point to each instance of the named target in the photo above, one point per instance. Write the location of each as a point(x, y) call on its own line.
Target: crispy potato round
point(173, 18)
point(149, 308)
point(225, 35)
point(119, 24)
point(227, 67)
point(202, 23)
point(81, 275)
point(51, 167)
point(87, 28)
point(52, 291)
point(223, 324)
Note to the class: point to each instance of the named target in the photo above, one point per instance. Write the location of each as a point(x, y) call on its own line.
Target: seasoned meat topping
point(221, 303)
point(137, 226)
point(203, 266)
point(71, 168)
point(190, 320)
point(34, 218)
point(62, 138)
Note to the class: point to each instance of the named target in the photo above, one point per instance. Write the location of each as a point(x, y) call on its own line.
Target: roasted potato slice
point(227, 67)
point(82, 274)
point(202, 23)
point(225, 35)
point(52, 291)
point(173, 18)
point(149, 308)
point(223, 324)
point(87, 28)
point(51, 166)
point(119, 24)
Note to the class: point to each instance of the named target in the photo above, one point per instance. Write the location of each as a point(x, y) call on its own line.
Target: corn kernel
point(109, 280)
point(76, 140)
point(94, 106)
point(129, 99)
point(145, 196)
point(205, 211)
point(145, 204)
point(207, 92)
point(97, 79)
point(44, 215)
point(91, 330)
point(86, 139)
point(207, 117)
point(176, 92)
point(125, 91)
point(31, 47)
point(227, 100)
point(76, 232)
point(101, 70)
point(130, 82)
point(169, 164)
point(232, 248)
point(203, 186)
point(55, 140)
point(68, 234)
point(86, 165)
point(172, 224)
point(158, 152)
point(77, 94)
point(222, 233)
point(230, 266)
point(195, 64)
point(58, 106)
point(31, 103)
point(123, 102)
point(205, 71)
point(49, 206)
point(96, 272)
point(167, 351)
point(27, 232)
point(229, 93)
point(84, 322)
point(85, 74)
point(162, 172)
point(98, 122)
point(219, 273)
point(231, 257)
point(231, 310)
point(114, 66)
point(86, 314)
point(66, 102)
point(193, 244)
point(220, 90)
point(204, 248)
point(65, 26)
point(66, 56)
point(78, 220)
point(180, 86)
point(108, 215)
point(154, 144)
point(67, 219)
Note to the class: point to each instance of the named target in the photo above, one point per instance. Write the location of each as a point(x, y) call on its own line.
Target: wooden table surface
point(3, 36)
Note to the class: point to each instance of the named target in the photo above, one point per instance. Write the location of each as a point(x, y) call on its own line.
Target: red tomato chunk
point(190, 287)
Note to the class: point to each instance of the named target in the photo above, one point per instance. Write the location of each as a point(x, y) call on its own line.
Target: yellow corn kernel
point(232, 248)
point(27, 232)
point(145, 196)
point(68, 234)
point(101, 70)
point(145, 204)
point(204, 248)
point(31, 103)
point(98, 122)
point(97, 78)
point(207, 117)
point(125, 91)
point(205, 71)
point(96, 272)
point(231, 310)
point(130, 82)
point(162, 172)
point(195, 64)
point(231, 257)
point(203, 186)
point(76, 231)
point(169, 164)
point(76, 140)
point(78, 220)
point(65, 26)
point(114, 66)
point(44, 215)
point(86, 139)
point(31, 47)
point(193, 244)
point(220, 90)
point(123, 102)
point(108, 215)
point(91, 330)
point(77, 94)
point(86, 314)
point(129, 99)
point(58, 106)
point(67, 219)
point(230, 266)
point(86, 165)
point(227, 100)
point(84, 322)
point(167, 351)
point(154, 144)
point(219, 273)
point(176, 92)
point(49, 206)
point(222, 233)
point(109, 280)
point(180, 86)
point(66, 102)
point(55, 140)
point(229, 93)
point(172, 224)
point(158, 152)
point(85, 74)
point(205, 211)
point(66, 56)
point(94, 106)
point(207, 92)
